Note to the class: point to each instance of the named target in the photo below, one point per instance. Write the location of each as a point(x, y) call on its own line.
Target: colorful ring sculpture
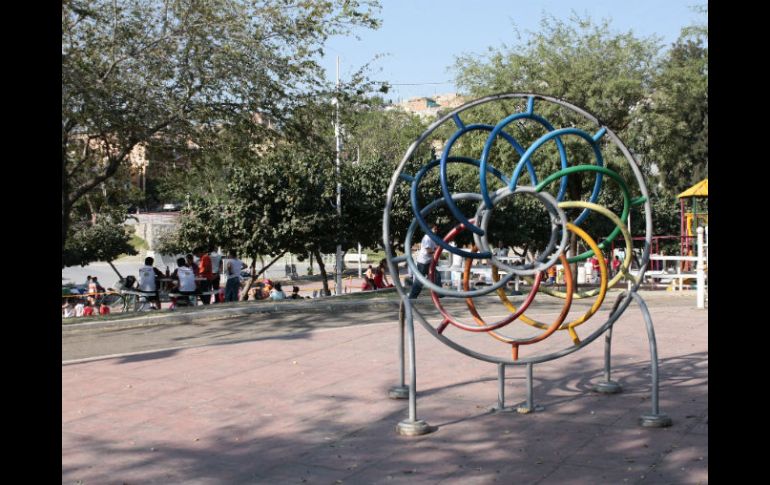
point(556, 251)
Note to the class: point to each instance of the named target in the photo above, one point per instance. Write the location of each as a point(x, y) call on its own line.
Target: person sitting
point(184, 280)
point(277, 293)
point(267, 287)
point(295, 293)
point(104, 309)
point(79, 308)
point(88, 311)
point(190, 262)
point(255, 293)
point(368, 283)
point(68, 308)
point(148, 275)
point(380, 277)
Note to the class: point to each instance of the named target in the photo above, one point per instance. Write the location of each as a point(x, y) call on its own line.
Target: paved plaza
point(311, 407)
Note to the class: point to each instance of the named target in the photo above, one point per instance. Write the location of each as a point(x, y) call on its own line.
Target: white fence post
point(700, 274)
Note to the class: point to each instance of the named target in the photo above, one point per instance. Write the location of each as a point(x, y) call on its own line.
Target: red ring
point(475, 328)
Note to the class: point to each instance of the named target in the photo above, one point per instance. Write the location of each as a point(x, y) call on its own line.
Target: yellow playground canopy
point(701, 189)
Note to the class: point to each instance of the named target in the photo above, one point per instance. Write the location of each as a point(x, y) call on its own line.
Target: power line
point(415, 84)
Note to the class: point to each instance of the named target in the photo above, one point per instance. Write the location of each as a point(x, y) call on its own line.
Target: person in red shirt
point(104, 310)
point(380, 278)
point(595, 263)
point(615, 266)
point(205, 271)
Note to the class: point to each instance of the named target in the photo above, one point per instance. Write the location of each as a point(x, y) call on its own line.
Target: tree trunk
point(250, 281)
point(322, 270)
point(120, 277)
point(65, 225)
point(246, 289)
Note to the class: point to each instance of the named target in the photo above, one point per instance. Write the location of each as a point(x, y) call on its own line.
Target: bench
point(139, 298)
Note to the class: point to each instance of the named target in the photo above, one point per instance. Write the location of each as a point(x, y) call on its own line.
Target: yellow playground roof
point(701, 189)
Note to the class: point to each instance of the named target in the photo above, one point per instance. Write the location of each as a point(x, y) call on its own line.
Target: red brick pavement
point(314, 410)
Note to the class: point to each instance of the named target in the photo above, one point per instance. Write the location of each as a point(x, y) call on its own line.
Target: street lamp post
point(338, 289)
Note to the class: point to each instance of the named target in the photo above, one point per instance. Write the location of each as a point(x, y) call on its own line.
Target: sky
point(420, 39)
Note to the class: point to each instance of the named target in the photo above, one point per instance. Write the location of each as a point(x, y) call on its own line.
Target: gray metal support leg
point(656, 419)
point(608, 386)
point(412, 426)
point(500, 406)
point(402, 390)
point(530, 405)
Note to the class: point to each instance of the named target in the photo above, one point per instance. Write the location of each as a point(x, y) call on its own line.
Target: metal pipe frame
point(413, 426)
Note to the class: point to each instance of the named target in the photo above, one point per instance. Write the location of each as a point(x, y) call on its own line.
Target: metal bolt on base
point(608, 387)
point(414, 428)
point(655, 421)
point(525, 409)
point(399, 392)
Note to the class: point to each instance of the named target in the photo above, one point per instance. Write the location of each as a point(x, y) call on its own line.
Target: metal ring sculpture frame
point(554, 252)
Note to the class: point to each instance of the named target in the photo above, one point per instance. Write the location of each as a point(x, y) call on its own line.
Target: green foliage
point(103, 240)
point(657, 104)
point(672, 125)
point(178, 71)
point(378, 139)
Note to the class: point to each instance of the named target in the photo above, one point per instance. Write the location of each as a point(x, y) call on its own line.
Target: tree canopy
point(134, 71)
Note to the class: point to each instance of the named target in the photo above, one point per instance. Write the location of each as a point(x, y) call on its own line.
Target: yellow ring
point(626, 262)
point(570, 326)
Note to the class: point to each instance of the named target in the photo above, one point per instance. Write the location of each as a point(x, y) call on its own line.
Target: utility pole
point(338, 289)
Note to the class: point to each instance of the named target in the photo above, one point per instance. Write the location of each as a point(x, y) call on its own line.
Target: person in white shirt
point(501, 251)
point(589, 269)
point(79, 308)
point(277, 293)
point(147, 281)
point(68, 308)
point(217, 268)
point(424, 257)
point(184, 280)
point(232, 269)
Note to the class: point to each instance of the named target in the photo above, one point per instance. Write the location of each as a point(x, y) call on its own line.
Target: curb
point(213, 314)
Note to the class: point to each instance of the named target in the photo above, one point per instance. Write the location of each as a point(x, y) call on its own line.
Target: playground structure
point(689, 221)
point(532, 270)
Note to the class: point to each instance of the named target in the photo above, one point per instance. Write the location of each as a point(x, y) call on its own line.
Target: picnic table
point(135, 299)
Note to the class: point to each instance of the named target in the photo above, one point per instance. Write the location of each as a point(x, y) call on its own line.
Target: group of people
point(267, 290)
point(593, 270)
point(78, 306)
point(375, 279)
point(201, 279)
point(193, 278)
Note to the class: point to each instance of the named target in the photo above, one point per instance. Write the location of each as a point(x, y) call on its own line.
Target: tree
point(103, 239)
point(376, 141)
point(134, 71)
point(672, 123)
point(581, 62)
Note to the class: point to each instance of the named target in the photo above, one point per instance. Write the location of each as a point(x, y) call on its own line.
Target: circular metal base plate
point(399, 392)
point(608, 387)
point(414, 428)
point(496, 409)
point(655, 421)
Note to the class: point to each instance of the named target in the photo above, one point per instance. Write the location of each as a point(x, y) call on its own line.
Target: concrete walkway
point(312, 408)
